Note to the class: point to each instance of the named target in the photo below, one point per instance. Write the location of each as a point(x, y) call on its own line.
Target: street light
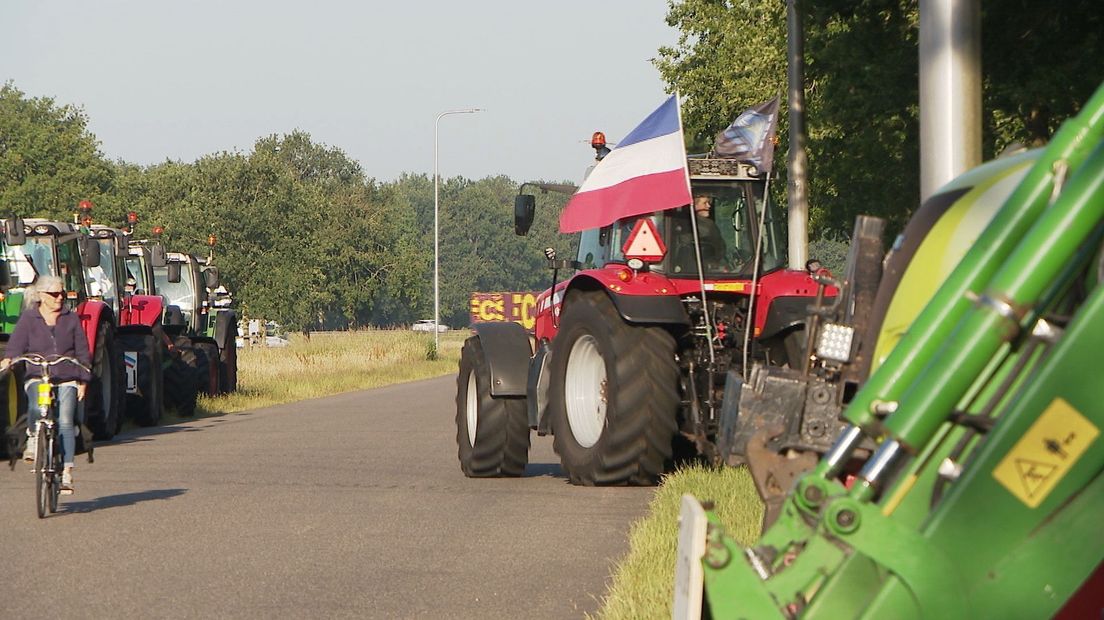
point(436, 235)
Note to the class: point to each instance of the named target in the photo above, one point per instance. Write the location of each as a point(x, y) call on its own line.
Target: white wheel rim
point(585, 391)
point(472, 411)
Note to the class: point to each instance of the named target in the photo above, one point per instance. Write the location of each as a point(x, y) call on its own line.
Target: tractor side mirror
point(90, 252)
point(174, 272)
point(211, 277)
point(13, 231)
point(157, 256)
point(525, 208)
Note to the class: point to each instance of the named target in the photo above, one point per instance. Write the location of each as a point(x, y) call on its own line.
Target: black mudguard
point(659, 309)
point(506, 346)
point(786, 313)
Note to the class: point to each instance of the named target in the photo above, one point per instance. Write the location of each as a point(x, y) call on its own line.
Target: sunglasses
point(55, 295)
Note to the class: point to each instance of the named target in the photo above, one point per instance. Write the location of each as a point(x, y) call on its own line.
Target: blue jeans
point(67, 415)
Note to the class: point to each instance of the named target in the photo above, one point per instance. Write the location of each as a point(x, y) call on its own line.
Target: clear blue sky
point(180, 79)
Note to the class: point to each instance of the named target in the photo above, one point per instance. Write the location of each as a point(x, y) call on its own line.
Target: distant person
point(48, 328)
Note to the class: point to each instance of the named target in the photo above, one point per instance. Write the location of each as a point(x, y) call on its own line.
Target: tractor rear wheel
point(103, 405)
point(207, 356)
point(228, 367)
point(180, 378)
point(613, 395)
point(492, 434)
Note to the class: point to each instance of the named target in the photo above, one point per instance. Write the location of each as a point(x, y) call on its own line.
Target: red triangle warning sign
point(644, 242)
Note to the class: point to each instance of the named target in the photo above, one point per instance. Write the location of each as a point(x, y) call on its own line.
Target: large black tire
point(228, 368)
point(207, 367)
point(180, 378)
point(147, 404)
point(226, 335)
point(103, 402)
point(613, 395)
point(14, 402)
point(492, 434)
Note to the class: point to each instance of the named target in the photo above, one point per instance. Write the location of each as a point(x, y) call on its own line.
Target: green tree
point(49, 161)
point(862, 86)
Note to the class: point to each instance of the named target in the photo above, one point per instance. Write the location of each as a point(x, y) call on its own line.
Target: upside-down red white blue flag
point(645, 173)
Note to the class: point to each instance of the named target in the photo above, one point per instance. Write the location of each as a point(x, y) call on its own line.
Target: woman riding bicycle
point(48, 328)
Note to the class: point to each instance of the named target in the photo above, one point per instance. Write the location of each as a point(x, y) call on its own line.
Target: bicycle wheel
point(53, 477)
point(41, 467)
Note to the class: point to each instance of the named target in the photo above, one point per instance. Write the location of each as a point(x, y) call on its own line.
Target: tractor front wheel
point(613, 395)
point(492, 434)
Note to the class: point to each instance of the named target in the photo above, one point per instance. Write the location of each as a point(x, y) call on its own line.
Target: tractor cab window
point(137, 276)
point(729, 217)
point(179, 294)
point(592, 253)
point(69, 265)
point(101, 281)
point(26, 261)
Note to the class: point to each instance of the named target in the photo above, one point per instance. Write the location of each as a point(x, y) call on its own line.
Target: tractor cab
point(107, 281)
point(183, 282)
point(52, 248)
point(730, 215)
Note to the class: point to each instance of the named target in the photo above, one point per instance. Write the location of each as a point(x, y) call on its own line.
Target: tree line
point(304, 236)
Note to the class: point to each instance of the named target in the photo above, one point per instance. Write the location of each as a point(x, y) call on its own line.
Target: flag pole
point(697, 243)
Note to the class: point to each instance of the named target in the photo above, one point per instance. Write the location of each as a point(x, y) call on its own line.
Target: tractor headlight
point(835, 341)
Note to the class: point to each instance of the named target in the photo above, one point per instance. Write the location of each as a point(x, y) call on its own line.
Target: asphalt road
point(349, 506)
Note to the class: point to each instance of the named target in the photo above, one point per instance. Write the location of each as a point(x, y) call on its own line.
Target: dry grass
point(643, 583)
point(332, 363)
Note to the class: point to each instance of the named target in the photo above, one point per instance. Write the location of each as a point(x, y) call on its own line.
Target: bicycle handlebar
point(43, 361)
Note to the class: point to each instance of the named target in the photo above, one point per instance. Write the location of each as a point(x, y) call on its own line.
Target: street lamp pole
point(436, 234)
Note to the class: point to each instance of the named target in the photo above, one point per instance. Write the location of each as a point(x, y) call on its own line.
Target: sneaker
point(67, 481)
point(32, 447)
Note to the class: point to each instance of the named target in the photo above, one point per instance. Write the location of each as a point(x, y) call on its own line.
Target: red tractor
point(634, 353)
point(139, 311)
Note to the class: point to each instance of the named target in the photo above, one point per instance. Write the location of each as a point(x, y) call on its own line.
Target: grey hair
point(30, 294)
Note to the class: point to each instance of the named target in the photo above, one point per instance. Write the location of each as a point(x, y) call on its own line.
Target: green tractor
point(193, 319)
point(37, 246)
point(967, 476)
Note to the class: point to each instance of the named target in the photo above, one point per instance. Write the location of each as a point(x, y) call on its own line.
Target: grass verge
point(643, 582)
point(332, 363)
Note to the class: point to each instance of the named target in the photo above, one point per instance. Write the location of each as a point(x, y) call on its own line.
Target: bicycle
point(48, 457)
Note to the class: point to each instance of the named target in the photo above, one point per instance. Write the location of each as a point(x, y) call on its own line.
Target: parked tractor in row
point(629, 361)
point(34, 247)
point(198, 318)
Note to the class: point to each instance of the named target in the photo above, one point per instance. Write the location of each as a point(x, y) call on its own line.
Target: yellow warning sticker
point(1049, 449)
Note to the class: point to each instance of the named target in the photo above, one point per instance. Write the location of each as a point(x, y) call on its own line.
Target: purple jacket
point(33, 335)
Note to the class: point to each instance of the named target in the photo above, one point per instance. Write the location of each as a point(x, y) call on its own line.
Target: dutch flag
point(645, 173)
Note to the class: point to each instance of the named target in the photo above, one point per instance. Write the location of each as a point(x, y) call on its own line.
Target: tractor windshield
point(136, 276)
point(729, 216)
point(44, 254)
point(26, 261)
point(179, 294)
point(102, 277)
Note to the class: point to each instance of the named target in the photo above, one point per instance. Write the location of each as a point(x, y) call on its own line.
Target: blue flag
point(750, 138)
